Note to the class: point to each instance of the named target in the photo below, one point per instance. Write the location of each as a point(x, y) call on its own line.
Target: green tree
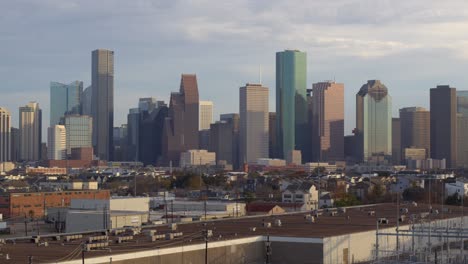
point(347, 200)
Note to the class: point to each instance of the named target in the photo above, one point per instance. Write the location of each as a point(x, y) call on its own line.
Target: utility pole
point(134, 187)
point(25, 226)
point(172, 211)
point(165, 205)
point(82, 253)
point(30, 259)
point(206, 243)
point(268, 250)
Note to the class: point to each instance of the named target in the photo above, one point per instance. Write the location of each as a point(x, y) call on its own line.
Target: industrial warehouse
point(363, 234)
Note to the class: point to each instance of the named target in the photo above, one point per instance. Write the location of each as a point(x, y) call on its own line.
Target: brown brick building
point(34, 204)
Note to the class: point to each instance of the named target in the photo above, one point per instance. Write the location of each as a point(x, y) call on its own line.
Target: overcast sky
point(411, 45)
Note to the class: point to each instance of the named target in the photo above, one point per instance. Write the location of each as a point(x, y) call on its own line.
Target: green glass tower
point(65, 99)
point(291, 102)
point(374, 123)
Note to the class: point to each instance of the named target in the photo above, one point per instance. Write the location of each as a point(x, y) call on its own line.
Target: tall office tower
point(415, 128)
point(150, 149)
point(233, 119)
point(206, 115)
point(119, 139)
point(65, 99)
point(221, 138)
point(44, 152)
point(5, 135)
point(57, 142)
point(102, 102)
point(148, 104)
point(272, 134)
point(291, 101)
point(181, 128)
point(133, 126)
point(328, 121)
point(204, 139)
point(30, 132)
point(374, 123)
point(86, 101)
point(253, 109)
point(462, 128)
point(396, 141)
point(15, 144)
point(79, 129)
point(443, 101)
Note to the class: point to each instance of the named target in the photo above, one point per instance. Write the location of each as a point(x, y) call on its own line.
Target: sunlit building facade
point(374, 123)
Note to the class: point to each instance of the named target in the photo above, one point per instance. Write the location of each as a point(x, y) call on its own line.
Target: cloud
point(415, 42)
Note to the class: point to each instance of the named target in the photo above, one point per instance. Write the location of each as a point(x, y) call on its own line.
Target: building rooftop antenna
point(260, 73)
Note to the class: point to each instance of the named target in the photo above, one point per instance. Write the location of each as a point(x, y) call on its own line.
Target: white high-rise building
point(30, 128)
point(5, 135)
point(57, 142)
point(206, 115)
point(254, 118)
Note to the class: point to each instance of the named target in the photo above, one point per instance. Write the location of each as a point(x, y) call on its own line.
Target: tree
point(347, 200)
point(414, 194)
point(454, 199)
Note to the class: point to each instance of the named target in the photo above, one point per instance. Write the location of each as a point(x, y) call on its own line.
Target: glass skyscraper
point(374, 123)
point(64, 99)
point(79, 129)
point(102, 102)
point(291, 101)
point(462, 127)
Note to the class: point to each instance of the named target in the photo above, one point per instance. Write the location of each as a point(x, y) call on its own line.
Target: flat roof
point(293, 225)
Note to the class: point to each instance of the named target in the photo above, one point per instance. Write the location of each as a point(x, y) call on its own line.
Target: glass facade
point(64, 99)
point(79, 130)
point(462, 127)
point(291, 101)
point(374, 122)
point(462, 102)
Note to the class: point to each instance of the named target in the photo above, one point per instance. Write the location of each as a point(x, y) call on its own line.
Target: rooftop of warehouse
point(353, 220)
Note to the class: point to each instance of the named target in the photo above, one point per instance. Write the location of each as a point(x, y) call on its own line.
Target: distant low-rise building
point(197, 157)
point(301, 193)
point(271, 162)
point(46, 171)
point(460, 187)
point(311, 166)
point(34, 204)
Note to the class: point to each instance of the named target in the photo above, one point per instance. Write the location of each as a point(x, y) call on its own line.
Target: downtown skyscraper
point(254, 117)
point(443, 102)
point(181, 126)
point(291, 102)
point(30, 132)
point(65, 99)
point(206, 115)
point(56, 142)
point(374, 123)
point(462, 128)
point(5, 135)
point(102, 102)
point(415, 129)
point(328, 121)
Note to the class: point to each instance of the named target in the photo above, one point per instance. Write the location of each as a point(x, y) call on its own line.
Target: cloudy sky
point(411, 45)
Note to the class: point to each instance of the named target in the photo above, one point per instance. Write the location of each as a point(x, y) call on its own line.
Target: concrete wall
point(80, 221)
point(285, 250)
point(138, 204)
point(361, 246)
point(118, 221)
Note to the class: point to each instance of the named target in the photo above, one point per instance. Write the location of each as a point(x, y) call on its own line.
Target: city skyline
point(337, 41)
